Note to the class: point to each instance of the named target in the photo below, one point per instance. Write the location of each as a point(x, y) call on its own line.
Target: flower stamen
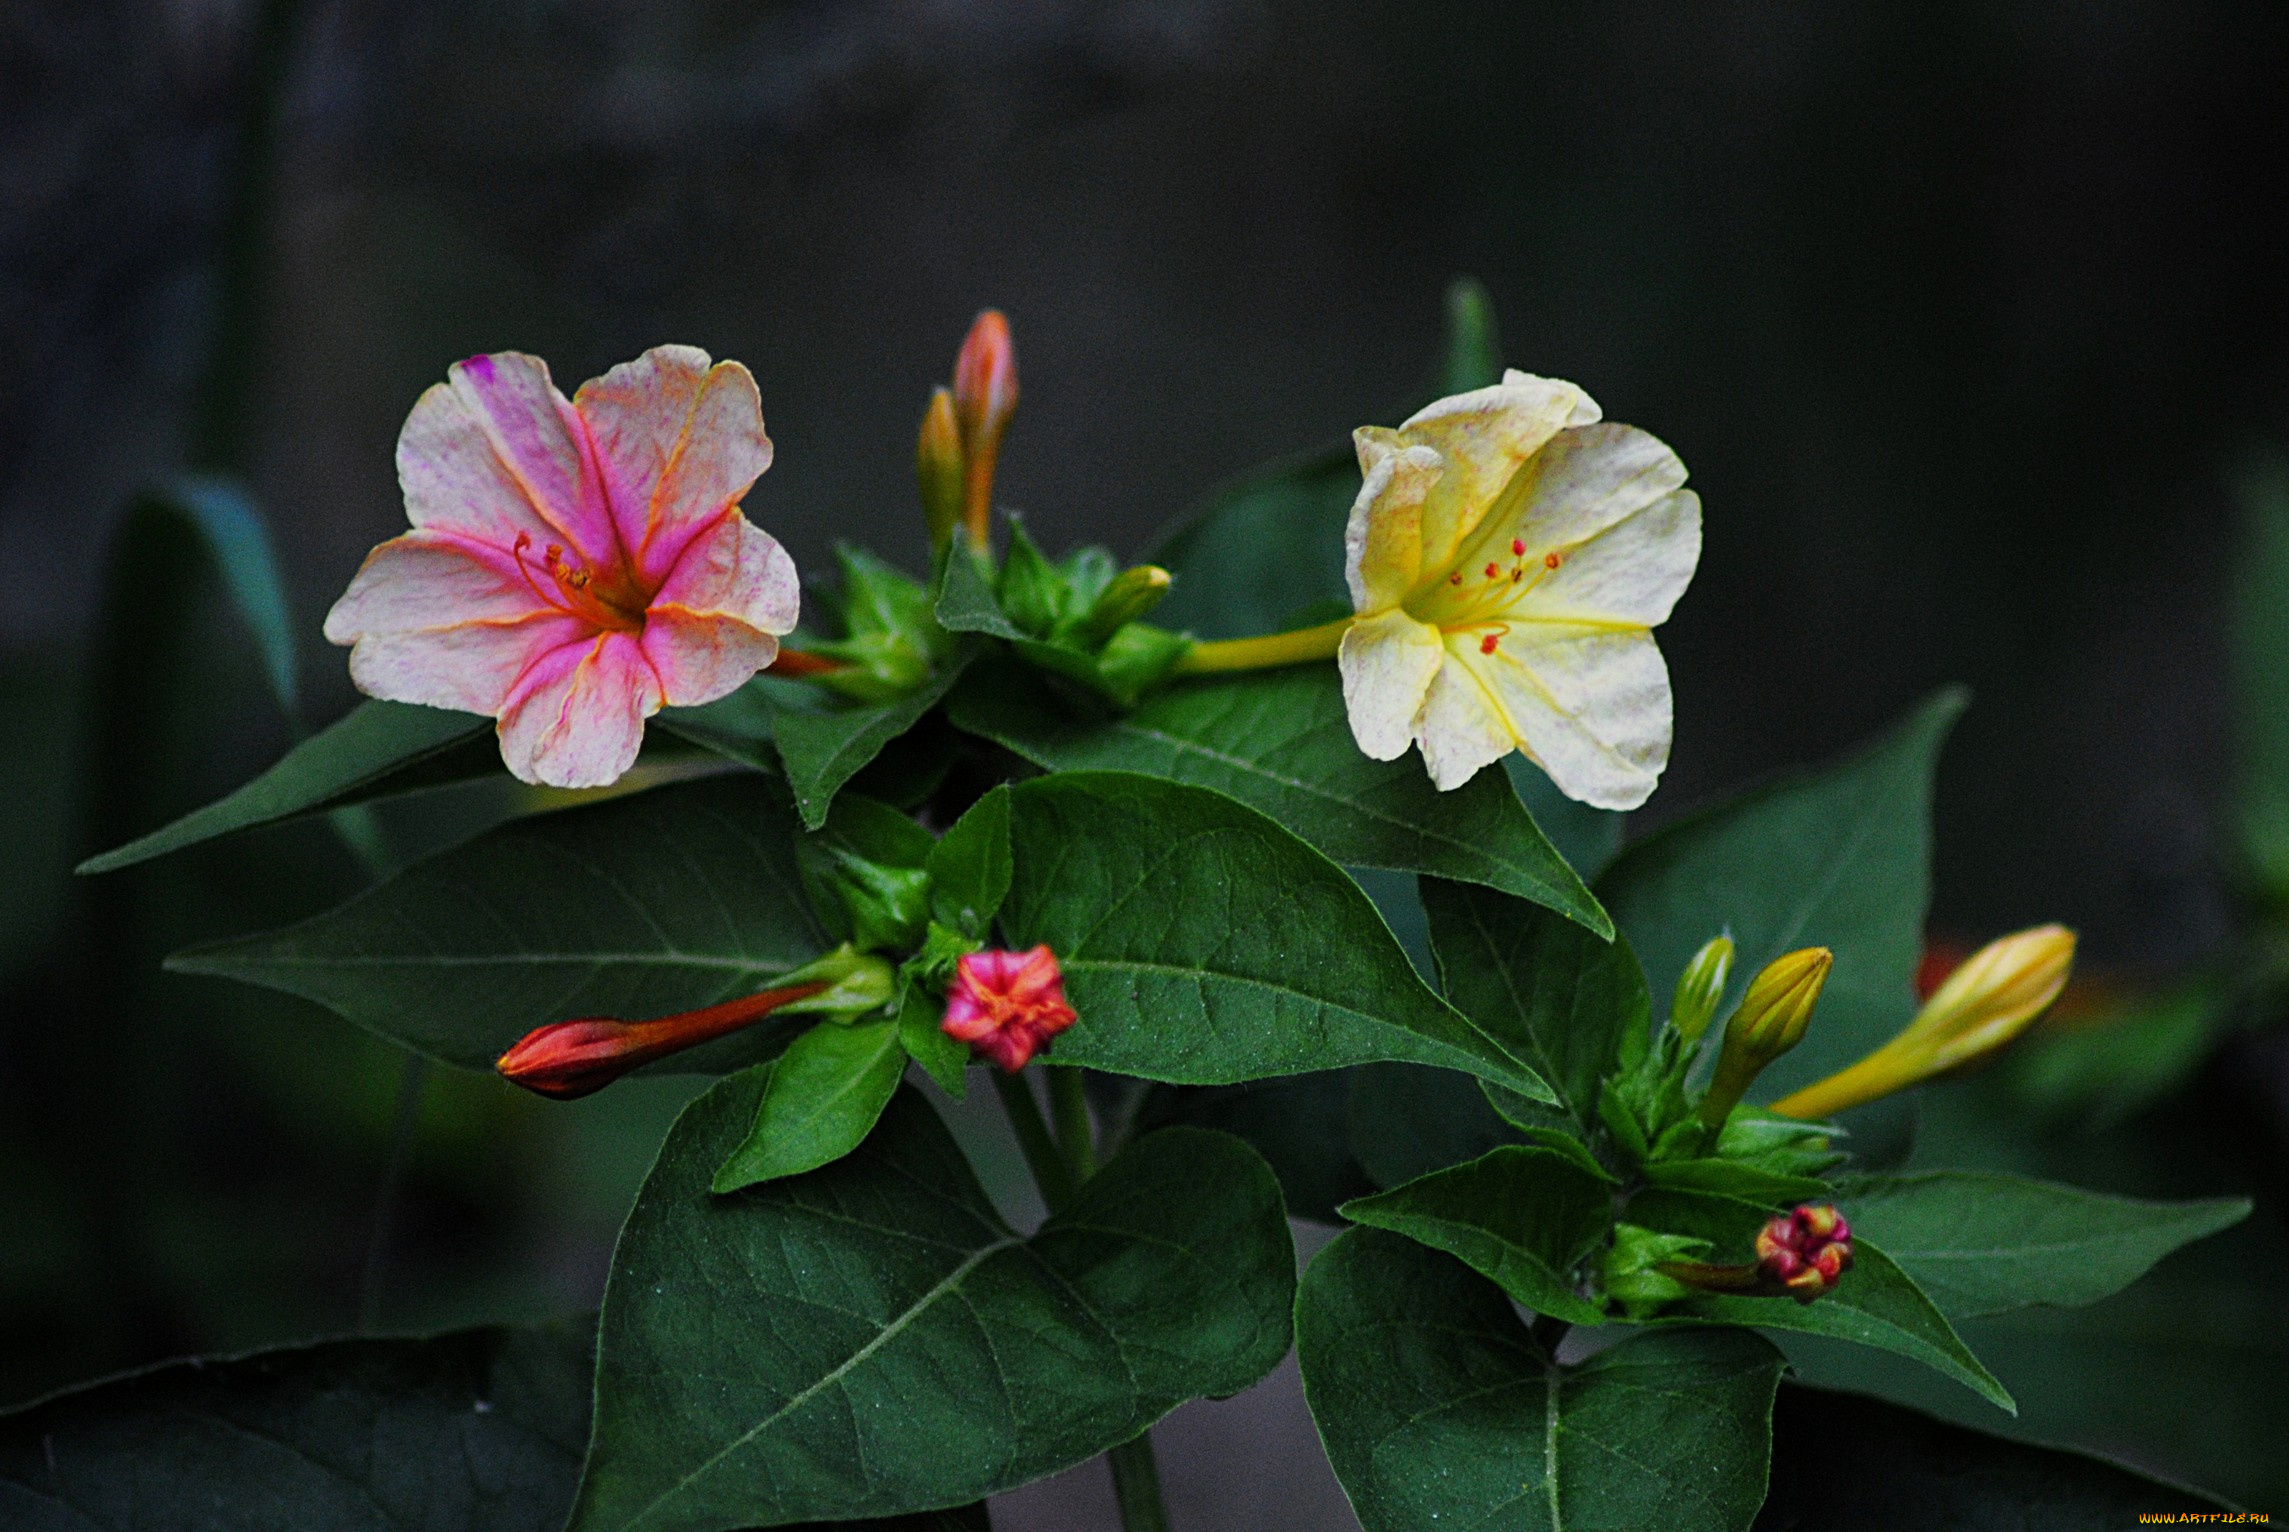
point(572, 594)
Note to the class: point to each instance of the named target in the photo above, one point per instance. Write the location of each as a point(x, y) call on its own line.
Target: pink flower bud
point(1805, 1252)
point(569, 1059)
point(1007, 1005)
point(985, 396)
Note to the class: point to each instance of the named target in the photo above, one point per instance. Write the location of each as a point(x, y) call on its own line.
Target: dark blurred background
point(1966, 318)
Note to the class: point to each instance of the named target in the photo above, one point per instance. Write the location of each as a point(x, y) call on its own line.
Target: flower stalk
point(1299, 647)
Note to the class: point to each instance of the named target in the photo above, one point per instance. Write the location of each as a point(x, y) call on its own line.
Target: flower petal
point(1383, 542)
point(576, 717)
point(1484, 436)
point(539, 443)
point(1632, 572)
point(1388, 662)
point(678, 441)
point(1462, 728)
point(1581, 483)
point(1591, 706)
point(738, 571)
point(437, 622)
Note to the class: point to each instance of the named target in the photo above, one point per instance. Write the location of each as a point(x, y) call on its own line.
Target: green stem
point(1296, 648)
point(1050, 1172)
point(1076, 1134)
point(1136, 1486)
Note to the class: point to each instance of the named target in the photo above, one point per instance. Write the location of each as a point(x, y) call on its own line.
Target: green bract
point(1275, 977)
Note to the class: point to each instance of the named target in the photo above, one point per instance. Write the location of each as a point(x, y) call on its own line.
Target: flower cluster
point(1007, 1005)
point(1805, 1252)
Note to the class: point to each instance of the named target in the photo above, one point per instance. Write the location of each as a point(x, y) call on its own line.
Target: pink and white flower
point(574, 565)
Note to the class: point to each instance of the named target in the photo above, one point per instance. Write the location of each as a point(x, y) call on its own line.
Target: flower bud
point(1007, 1005)
point(1700, 987)
point(1983, 1005)
point(851, 984)
point(1132, 593)
point(1806, 1252)
point(570, 1059)
point(985, 396)
point(1772, 1019)
point(938, 468)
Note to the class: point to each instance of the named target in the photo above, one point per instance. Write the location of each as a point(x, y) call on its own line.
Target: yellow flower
point(1990, 1000)
point(1508, 557)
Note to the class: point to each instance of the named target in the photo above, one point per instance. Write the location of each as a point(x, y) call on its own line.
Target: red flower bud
point(985, 396)
point(1006, 1005)
point(569, 1059)
point(1805, 1252)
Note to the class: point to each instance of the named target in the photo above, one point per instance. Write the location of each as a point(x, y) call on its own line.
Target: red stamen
point(1552, 560)
point(1517, 548)
point(1493, 571)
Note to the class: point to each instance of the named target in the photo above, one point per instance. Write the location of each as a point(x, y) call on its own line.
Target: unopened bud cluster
point(1805, 1252)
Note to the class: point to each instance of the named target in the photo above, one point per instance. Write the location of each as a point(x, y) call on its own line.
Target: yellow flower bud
point(1772, 1019)
point(1132, 593)
point(938, 466)
point(1986, 1003)
point(1700, 987)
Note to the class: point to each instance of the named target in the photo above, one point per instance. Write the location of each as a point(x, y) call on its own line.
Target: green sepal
point(1137, 658)
point(820, 1099)
point(1787, 1146)
point(857, 982)
point(1627, 1272)
point(867, 874)
point(1035, 594)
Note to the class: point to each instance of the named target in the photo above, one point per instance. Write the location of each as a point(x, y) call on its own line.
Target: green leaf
point(1526, 1218)
point(231, 529)
point(1300, 1125)
point(1407, 1121)
point(947, 1061)
point(1438, 1409)
point(1845, 1460)
point(1840, 859)
point(1875, 1304)
point(1731, 1178)
point(820, 1099)
point(642, 906)
point(970, 868)
point(1987, 1244)
point(1589, 839)
point(1474, 343)
point(1549, 991)
point(477, 1431)
point(1264, 552)
point(1279, 741)
point(378, 749)
point(1202, 944)
point(872, 1339)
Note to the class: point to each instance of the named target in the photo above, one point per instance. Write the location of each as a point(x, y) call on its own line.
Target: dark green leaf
point(945, 1060)
point(1279, 741)
point(1839, 859)
point(820, 1099)
point(1876, 1303)
point(970, 868)
point(1300, 1125)
point(1844, 1460)
point(871, 1339)
point(235, 536)
point(1203, 944)
point(1987, 1244)
point(1264, 551)
point(1549, 991)
point(642, 906)
point(380, 748)
point(1407, 1121)
point(1526, 1218)
point(1589, 839)
point(479, 1431)
point(1731, 1178)
point(1438, 1409)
